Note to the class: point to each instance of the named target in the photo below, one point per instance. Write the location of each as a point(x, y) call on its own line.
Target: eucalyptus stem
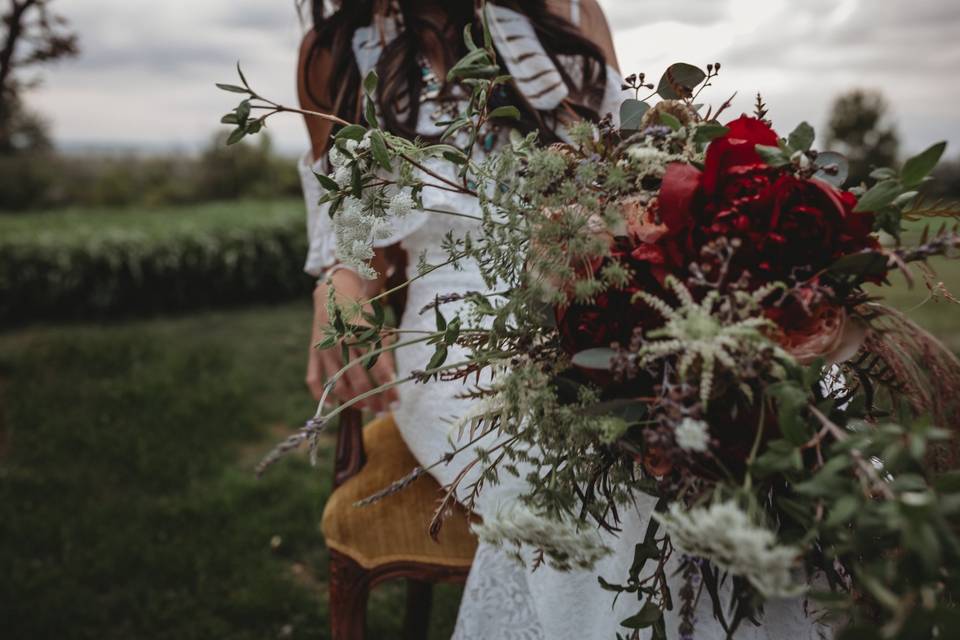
point(755, 449)
point(453, 213)
point(409, 281)
point(328, 386)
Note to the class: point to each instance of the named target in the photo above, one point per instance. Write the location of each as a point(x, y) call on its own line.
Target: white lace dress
point(502, 599)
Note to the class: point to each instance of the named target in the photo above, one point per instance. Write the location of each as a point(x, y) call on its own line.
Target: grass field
point(92, 224)
point(128, 508)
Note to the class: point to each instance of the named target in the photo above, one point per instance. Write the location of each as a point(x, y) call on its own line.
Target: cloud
point(626, 14)
point(800, 55)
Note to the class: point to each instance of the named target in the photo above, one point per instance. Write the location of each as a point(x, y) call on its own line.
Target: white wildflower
point(649, 161)
point(354, 232)
point(381, 229)
point(401, 204)
point(485, 410)
point(343, 176)
point(365, 141)
point(692, 435)
point(337, 157)
point(565, 545)
point(723, 534)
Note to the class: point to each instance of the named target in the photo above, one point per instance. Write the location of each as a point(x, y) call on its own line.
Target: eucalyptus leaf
point(599, 359)
point(370, 113)
point(243, 78)
point(709, 131)
point(370, 83)
point(631, 114)
point(802, 137)
point(832, 167)
point(351, 132)
point(232, 88)
point(243, 111)
point(378, 147)
point(791, 401)
point(648, 615)
point(917, 168)
point(670, 120)
point(441, 321)
point(508, 111)
point(883, 173)
point(236, 136)
point(773, 156)
point(439, 357)
point(880, 196)
point(356, 181)
point(679, 81)
point(327, 182)
point(862, 265)
point(468, 38)
point(843, 511)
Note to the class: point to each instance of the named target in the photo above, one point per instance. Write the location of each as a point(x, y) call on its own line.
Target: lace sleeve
point(322, 253)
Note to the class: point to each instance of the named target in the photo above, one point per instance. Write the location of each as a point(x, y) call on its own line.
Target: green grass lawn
point(934, 313)
point(128, 506)
point(82, 225)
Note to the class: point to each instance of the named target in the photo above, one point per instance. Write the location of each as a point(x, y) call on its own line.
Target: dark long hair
point(399, 69)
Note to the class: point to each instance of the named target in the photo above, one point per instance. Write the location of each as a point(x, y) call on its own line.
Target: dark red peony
point(790, 226)
point(612, 316)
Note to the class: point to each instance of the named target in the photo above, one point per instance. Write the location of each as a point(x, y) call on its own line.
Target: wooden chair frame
point(350, 583)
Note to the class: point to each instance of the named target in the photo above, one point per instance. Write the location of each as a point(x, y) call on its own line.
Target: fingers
point(360, 382)
point(314, 379)
point(343, 389)
point(357, 380)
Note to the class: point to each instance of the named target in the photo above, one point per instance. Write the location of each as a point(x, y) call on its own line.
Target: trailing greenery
point(94, 263)
point(128, 503)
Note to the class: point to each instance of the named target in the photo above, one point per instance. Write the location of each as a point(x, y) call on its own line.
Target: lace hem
point(500, 604)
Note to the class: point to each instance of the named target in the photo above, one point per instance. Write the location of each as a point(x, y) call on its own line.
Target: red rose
point(738, 148)
point(790, 227)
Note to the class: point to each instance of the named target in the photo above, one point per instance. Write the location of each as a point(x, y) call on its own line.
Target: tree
point(32, 35)
point(861, 129)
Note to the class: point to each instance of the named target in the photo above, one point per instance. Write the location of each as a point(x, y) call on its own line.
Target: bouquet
point(682, 306)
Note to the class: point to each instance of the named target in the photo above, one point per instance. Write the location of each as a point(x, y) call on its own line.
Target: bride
point(560, 54)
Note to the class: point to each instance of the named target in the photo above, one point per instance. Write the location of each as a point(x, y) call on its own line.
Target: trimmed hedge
point(85, 264)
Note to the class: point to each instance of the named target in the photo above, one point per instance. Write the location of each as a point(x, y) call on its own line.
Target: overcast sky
point(146, 74)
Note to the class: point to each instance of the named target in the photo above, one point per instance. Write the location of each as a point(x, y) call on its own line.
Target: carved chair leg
point(349, 590)
point(416, 624)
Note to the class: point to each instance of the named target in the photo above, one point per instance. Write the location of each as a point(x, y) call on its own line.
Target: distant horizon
point(150, 147)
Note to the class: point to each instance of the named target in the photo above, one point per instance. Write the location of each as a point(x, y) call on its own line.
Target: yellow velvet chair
point(387, 540)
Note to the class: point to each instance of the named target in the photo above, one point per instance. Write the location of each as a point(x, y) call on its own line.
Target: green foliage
point(679, 81)
point(81, 263)
point(631, 114)
point(128, 504)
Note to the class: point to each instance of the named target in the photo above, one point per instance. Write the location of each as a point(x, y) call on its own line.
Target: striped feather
point(532, 69)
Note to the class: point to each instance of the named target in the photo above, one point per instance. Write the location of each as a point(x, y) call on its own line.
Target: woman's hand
point(322, 365)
